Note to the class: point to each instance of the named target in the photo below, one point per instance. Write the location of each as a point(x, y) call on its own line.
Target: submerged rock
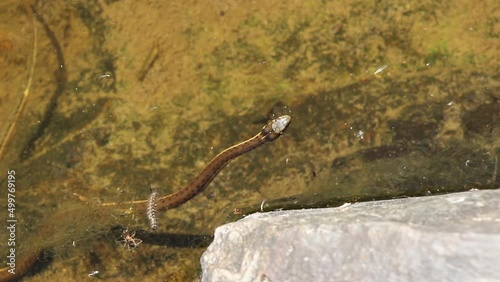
point(454, 237)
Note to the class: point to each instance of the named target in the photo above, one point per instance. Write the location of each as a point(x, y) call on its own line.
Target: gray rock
point(453, 237)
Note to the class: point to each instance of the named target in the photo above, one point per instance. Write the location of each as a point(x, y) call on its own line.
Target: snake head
point(276, 127)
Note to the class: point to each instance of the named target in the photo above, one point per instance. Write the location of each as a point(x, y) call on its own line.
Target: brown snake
point(269, 133)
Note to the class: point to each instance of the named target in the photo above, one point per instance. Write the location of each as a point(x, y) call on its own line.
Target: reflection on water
point(389, 100)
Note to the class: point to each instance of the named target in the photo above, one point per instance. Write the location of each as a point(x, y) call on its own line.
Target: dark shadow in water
point(169, 239)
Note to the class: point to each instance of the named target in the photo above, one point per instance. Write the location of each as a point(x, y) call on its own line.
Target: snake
point(270, 132)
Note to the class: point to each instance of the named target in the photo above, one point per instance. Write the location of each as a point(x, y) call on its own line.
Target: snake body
point(269, 133)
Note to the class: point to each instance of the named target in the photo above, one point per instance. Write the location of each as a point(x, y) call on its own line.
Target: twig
point(26, 92)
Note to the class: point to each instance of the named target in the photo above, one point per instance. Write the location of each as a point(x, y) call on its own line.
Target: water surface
point(388, 100)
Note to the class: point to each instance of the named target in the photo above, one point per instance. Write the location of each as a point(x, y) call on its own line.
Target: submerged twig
point(60, 84)
point(26, 91)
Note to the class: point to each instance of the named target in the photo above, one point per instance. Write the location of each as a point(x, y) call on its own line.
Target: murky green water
point(388, 100)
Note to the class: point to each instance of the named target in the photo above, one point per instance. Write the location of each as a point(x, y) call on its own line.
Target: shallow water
point(388, 100)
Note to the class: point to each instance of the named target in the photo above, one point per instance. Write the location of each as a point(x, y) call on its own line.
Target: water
point(388, 100)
